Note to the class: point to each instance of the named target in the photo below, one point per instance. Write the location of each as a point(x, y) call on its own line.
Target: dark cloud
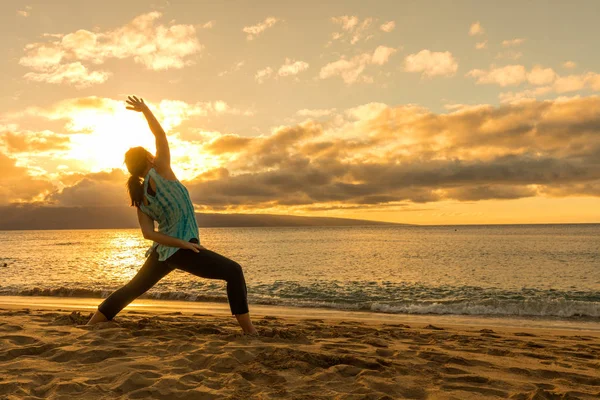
point(94, 189)
point(479, 153)
point(505, 177)
point(561, 190)
point(488, 192)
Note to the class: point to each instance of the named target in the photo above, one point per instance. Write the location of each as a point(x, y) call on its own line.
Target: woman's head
point(137, 160)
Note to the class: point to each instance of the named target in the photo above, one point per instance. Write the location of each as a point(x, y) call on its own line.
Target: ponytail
point(136, 160)
point(135, 187)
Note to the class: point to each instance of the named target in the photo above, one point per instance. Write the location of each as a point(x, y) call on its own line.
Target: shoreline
point(187, 307)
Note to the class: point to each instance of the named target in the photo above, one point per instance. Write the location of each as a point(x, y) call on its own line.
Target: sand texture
point(141, 355)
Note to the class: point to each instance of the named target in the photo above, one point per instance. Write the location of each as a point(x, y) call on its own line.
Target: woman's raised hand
point(136, 104)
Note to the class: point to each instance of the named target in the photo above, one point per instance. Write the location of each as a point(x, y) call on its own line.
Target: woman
point(159, 196)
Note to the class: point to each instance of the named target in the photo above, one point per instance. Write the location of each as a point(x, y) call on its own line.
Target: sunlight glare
point(112, 133)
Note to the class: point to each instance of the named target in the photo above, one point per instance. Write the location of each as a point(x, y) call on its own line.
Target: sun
point(105, 134)
point(108, 135)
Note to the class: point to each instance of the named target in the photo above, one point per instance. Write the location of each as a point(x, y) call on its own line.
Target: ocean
point(535, 271)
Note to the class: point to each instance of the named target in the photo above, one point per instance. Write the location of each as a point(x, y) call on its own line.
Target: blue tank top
point(172, 208)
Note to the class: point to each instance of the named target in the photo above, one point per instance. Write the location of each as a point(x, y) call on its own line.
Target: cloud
point(315, 113)
point(66, 58)
point(352, 28)
point(75, 74)
point(515, 75)
point(541, 76)
point(263, 74)
point(173, 112)
point(209, 24)
point(25, 13)
point(236, 67)
point(84, 114)
point(351, 70)
point(372, 154)
point(476, 29)
point(227, 144)
point(525, 95)
point(388, 26)
point(348, 70)
point(504, 76)
point(292, 67)
point(409, 154)
point(431, 64)
point(366, 112)
point(17, 185)
point(289, 68)
point(41, 57)
point(100, 130)
point(481, 45)
point(490, 192)
point(553, 83)
point(34, 141)
point(382, 55)
point(571, 83)
point(512, 42)
point(103, 189)
point(569, 65)
point(348, 23)
point(255, 30)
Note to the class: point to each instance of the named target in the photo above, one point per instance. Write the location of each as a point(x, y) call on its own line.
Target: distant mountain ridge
point(28, 217)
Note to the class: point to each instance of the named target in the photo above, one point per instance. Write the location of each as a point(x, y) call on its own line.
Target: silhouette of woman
point(159, 196)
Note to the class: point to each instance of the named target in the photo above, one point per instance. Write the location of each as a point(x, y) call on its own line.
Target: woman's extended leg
point(211, 265)
point(151, 272)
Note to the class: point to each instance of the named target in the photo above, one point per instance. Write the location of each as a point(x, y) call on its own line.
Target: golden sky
point(425, 112)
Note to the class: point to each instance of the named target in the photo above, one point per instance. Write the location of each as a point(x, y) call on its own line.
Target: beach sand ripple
point(55, 355)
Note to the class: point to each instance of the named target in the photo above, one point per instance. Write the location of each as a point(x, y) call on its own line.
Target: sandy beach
point(148, 353)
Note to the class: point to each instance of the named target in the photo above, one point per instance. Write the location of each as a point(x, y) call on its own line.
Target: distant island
point(30, 217)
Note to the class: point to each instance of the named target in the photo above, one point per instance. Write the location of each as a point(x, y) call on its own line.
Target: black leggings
point(206, 264)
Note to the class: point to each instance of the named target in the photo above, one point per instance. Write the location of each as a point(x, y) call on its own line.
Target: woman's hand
point(192, 246)
point(136, 104)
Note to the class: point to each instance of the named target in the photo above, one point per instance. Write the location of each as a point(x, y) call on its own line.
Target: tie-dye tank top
point(172, 208)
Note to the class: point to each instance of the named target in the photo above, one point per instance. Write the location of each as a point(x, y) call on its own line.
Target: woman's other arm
point(147, 226)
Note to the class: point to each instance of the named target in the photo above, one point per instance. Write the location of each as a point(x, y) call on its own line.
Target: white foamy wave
point(530, 307)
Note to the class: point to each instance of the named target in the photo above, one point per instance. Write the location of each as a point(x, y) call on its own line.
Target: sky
point(423, 112)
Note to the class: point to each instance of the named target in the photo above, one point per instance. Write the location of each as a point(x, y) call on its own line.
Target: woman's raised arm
point(163, 154)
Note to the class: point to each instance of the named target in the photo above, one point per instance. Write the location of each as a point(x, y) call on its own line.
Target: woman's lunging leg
point(211, 265)
point(151, 272)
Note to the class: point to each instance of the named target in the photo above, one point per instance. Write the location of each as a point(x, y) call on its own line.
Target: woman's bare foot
point(246, 324)
point(98, 317)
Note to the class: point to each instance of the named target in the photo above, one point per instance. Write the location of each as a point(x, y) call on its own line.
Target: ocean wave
point(524, 303)
point(526, 308)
